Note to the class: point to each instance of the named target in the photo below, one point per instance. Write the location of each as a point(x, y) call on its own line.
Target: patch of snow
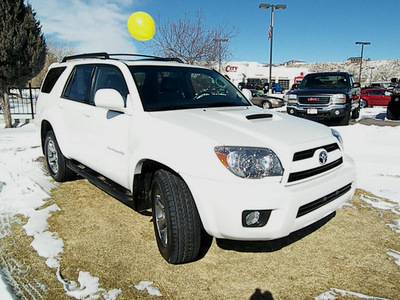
point(396, 255)
point(333, 293)
point(23, 190)
point(148, 285)
point(5, 293)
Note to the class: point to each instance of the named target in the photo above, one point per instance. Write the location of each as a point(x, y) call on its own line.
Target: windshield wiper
point(224, 104)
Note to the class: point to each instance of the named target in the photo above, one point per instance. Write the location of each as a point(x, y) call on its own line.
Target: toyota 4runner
point(183, 141)
point(326, 96)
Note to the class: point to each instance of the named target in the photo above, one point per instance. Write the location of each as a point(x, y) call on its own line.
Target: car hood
point(301, 92)
point(243, 126)
point(267, 97)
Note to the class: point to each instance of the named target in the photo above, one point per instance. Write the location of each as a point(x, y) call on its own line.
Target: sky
point(22, 180)
point(307, 30)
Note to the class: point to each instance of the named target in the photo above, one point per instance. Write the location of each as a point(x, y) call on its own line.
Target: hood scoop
point(259, 116)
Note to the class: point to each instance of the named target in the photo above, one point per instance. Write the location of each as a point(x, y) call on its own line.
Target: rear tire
point(176, 220)
point(55, 160)
point(364, 103)
point(356, 113)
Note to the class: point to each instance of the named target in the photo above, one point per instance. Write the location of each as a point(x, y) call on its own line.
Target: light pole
point(219, 41)
point(362, 51)
point(270, 37)
point(370, 78)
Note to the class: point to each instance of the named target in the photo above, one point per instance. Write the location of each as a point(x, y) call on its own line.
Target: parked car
point(250, 86)
point(265, 101)
point(295, 86)
point(276, 88)
point(184, 142)
point(377, 85)
point(375, 97)
point(393, 108)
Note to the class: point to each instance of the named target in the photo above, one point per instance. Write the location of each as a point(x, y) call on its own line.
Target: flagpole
point(271, 38)
point(271, 28)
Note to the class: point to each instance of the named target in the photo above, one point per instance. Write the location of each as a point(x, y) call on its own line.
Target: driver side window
point(109, 77)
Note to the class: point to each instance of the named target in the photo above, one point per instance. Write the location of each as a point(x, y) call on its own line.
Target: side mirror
point(356, 85)
point(247, 94)
point(110, 99)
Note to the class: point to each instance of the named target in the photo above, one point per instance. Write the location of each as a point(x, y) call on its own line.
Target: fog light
point(252, 218)
point(337, 112)
point(255, 218)
point(291, 111)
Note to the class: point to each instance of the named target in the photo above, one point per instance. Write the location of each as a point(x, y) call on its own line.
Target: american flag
point(270, 32)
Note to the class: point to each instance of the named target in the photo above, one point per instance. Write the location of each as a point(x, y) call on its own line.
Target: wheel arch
point(268, 102)
point(45, 127)
point(364, 101)
point(142, 179)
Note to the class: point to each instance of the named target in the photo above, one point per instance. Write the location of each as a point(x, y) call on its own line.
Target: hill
point(372, 70)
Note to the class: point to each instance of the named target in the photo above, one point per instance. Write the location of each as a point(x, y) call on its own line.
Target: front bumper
point(317, 112)
point(221, 204)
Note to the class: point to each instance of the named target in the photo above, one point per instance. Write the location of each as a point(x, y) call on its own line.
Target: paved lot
point(376, 122)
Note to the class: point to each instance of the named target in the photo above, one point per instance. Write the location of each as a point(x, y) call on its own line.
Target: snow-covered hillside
point(372, 70)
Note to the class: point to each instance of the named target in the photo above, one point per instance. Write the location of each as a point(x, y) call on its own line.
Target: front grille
point(312, 100)
point(310, 152)
point(308, 173)
point(305, 209)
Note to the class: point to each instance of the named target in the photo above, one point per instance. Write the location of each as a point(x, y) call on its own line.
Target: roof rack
point(104, 55)
point(151, 57)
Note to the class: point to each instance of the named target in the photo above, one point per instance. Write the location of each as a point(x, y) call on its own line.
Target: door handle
point(86, 113)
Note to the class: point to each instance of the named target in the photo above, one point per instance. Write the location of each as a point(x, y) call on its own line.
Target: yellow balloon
point(141, 26)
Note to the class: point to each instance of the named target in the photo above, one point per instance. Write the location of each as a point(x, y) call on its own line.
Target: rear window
point(51, 79)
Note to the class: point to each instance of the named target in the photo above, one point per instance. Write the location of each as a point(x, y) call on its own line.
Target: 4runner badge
point(323, 157)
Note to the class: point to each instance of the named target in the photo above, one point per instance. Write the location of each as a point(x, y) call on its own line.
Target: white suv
point(185, 142)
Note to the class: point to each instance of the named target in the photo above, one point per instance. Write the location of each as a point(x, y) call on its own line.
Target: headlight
point(337, 135)
point(291, 98)
point(250, 162)
point(339, 98)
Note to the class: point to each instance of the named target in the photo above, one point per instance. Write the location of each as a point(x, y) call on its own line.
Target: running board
point(103, 183)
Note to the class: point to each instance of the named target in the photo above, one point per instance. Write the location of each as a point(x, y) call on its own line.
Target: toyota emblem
point(323, 157)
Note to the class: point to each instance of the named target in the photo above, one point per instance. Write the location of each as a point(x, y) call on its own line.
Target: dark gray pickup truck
point(326, 96)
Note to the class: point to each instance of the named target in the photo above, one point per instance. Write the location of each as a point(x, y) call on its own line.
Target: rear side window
point(51, 79)
point(79, 83)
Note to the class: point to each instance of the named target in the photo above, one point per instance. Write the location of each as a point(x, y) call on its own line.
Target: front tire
point(344, 121)
point(176, 220)
point(55, 160)
point(266, 105)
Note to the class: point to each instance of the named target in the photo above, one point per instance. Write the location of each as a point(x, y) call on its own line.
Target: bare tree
point(190, 40)
point(55, 52)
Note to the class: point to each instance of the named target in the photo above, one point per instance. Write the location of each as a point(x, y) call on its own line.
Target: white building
point(248, 72)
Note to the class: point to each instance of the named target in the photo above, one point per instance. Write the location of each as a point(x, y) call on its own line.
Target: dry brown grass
point(110, 241)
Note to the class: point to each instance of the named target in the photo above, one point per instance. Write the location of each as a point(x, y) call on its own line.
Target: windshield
point(318, 81)
point(168, 88)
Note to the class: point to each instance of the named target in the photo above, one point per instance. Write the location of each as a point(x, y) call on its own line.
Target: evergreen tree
point(22, 49)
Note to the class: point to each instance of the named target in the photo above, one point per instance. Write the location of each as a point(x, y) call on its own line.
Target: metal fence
point(22, 102)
